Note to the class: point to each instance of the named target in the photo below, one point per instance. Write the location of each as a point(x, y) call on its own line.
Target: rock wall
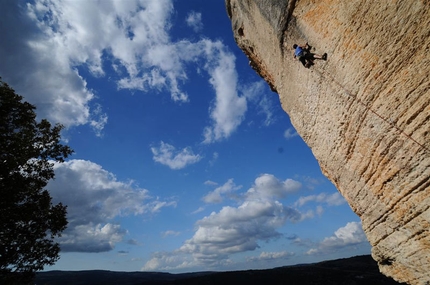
point(365, 112)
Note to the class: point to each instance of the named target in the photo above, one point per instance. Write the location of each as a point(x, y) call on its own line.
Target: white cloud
point(98, 123)
point(170, 233)
point(53, 40)
point(290, 133)
point(200, 209)
point(167, 261)
point(234, 229)
point(255, 93)
point(194, 20)
point(265, 256)
point(334, 199)
point(267, 186)
point(319, 210)
point(91, 238)
point(176, 159)
point(94, 198)
point(210, 183)
point(215, 157)
point(266, 106)
point(157, 205)
point(350, 235)
point(216, 195)
point(311, 182)
point(229, 108)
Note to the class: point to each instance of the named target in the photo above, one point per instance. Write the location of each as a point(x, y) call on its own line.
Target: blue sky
point(184, 160)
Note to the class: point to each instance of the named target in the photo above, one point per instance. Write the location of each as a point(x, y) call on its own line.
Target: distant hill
point(359, 270)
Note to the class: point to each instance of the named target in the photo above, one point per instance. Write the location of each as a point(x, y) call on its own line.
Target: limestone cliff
point(365, 112)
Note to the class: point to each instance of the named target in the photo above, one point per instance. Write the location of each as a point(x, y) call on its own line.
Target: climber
point(303, 53)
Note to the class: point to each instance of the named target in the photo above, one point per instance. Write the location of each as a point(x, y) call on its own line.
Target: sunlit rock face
point(365, 112)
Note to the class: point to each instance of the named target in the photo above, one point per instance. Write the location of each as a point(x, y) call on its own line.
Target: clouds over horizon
point(268, 256)
point(258, 215)
point(350, 235)
point(234, 229)
point(94, 198)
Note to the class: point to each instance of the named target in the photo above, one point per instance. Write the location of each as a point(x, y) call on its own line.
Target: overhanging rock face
point(365, 112)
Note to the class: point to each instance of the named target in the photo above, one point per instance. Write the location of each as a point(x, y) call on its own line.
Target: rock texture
point(365, 112)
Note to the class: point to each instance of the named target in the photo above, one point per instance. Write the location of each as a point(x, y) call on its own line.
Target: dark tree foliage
point(29, 222)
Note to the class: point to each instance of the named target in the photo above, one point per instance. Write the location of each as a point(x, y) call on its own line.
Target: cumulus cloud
point(267, 186)
point(167, 261)
point(175, 159)
point(94, 197)
point(350, 235)
point(334, 199)
point(216, 195)
point(234, 229)
point(194, 20)
point(51, 41)
point(40, 72)
point(265, 256)
point(91, 238)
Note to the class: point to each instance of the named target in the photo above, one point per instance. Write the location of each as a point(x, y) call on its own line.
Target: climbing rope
point(371, 110)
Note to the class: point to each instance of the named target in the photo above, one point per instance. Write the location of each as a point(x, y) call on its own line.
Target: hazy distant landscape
point(359, 270)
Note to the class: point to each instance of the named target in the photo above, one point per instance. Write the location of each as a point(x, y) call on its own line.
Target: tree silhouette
point(29, 222)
